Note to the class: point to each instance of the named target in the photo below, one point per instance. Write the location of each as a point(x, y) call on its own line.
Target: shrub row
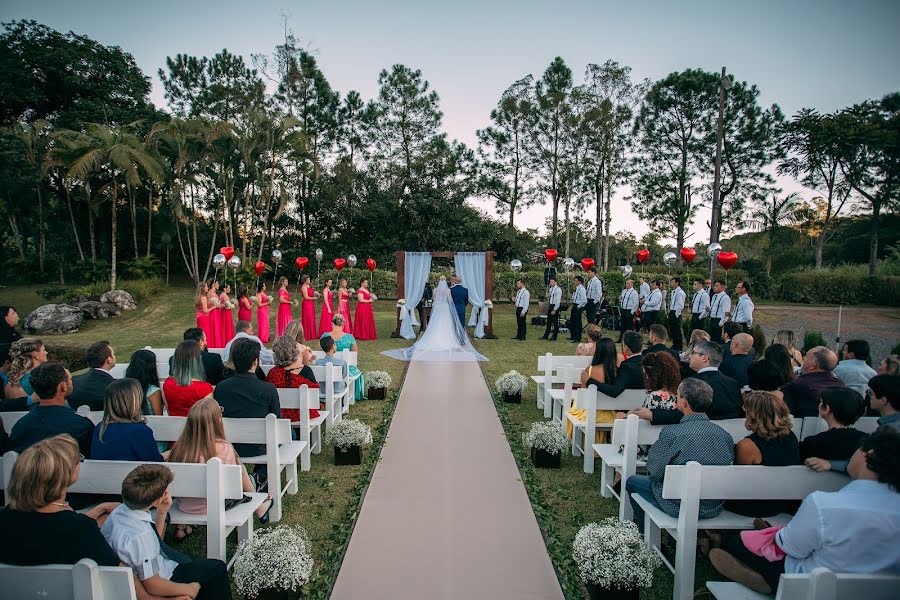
point(811, 287)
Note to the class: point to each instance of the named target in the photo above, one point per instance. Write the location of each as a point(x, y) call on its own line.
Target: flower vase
point(273, 594)
point(513, 398)
point(596, 592)
point(376, 393)
point(544, 460)
point(347, 456)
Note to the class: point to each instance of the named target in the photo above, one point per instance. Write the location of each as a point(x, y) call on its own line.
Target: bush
point(145, 267)
point(53, 294)
point(836, 287)
point(811, 340)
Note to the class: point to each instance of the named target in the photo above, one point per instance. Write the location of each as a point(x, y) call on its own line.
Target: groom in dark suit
point(460, 299)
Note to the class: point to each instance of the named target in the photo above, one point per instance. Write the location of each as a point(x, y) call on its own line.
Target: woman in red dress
point(226, 318)
point(262, 313)
point(290, 358)
point(308, 310)
point(187, 383)
point(201, 302)
point(212, 298)
point(364, 323)
point(244, 304)
point(327, 307)
point(343, 295)
point(284, 307)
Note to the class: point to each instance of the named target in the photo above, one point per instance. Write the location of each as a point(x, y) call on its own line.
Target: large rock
point(54, 318)
point(98, 310)
point(120, 298)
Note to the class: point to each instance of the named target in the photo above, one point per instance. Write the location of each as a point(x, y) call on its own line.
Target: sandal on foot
point(264, 519)
point(185, 532)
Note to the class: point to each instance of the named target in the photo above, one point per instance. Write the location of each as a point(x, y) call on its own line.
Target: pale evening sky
point(824, 54)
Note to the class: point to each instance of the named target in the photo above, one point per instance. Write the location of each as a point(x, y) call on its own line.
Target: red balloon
point(370, 264)
point(587, 263)
point(643, 255)
point(302, 261)
point(259, 267)
point(688, 255)
point(550, 254)
point(228, 251)
point(727, 259)
point(340, 263)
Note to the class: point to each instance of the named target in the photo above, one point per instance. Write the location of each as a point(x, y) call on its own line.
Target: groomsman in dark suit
point(554, 297)
point(90, 388)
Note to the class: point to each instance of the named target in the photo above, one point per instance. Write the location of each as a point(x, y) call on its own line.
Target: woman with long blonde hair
point(294, 330)
point(786, 338)
point(201, 303)
point(25, 356)
point(123, 433)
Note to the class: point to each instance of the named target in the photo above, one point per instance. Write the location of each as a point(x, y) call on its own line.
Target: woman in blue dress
point(346, 341)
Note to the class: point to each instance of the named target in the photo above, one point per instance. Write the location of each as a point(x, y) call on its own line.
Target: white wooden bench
point(816, 425)
point(337, 404)
point(592, 401)
point(821, 584)
point(84, 580)
point(164, 354)
point(549, 366)
point(693, 482)
point(350, 358)
point(309, 430)
point(560, 399)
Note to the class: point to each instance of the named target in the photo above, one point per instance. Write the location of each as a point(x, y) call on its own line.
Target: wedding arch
point(476, 269)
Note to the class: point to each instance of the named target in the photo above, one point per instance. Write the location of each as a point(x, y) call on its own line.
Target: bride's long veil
point(445, 337)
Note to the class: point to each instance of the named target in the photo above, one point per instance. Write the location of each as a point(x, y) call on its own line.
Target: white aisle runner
point(446, 515)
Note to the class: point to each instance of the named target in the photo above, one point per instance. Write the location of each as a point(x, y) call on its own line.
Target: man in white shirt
point(594, 295)
point(720, 305)
point(628, 303)
point(676, 307)
point(579, 301)
point(743, 310)
point(523, 297)
point(554, 299)
point(245, 330)
point(699, 305)
point(853, 370)
point(707, 286)
point(653, 304)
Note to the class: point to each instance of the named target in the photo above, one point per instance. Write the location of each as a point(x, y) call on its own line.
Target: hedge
point(811, 287)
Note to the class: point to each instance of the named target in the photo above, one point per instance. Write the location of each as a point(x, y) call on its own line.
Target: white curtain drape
point(416, 271)
point(471, 269)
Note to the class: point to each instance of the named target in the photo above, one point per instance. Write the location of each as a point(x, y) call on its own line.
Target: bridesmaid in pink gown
point(201, 302)
point(344, 305)
point(262, 314)
point(284, 307)
point(213, 339)
point(364, 323)
point(226, 323)
point(308, 310)
point(327, 308)
point(244, 304)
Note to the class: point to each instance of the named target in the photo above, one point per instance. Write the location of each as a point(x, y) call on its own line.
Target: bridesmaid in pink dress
point(364, 323)
point(244, 305)
point(344, 305)
point(226, 322)
point(308, 310)
point(327, 308)
point(284, 307)
point(201, 302)
point(213, 339)
point(262, 314)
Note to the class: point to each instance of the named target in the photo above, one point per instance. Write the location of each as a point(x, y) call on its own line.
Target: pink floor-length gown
point(213, 338)
point(203, 319)
point(344, 310)
point(226, 323)
point(308, 317)
point(284, 312)
point(327, 312)
point(364, 323)
point(244, 313)
point(262, 319)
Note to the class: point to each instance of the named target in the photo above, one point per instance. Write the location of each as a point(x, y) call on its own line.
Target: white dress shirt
point(523, 297)
point(677, 303)
point(555, 297)
point(743, 310)
point(628, 299)
point(721, 304)
point(594, 290)
point(855, 374)
point(654, 301)
point(579, 297)
point(700, 304)
point(266, 356)
point(130, 534)
point(644, 290)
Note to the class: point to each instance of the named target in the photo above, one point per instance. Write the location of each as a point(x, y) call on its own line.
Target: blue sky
point(823, 54)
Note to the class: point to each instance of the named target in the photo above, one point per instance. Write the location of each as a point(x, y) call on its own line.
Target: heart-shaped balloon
point(259, 267)
point(302, 261)
point(371, 264)
point(727, 259)
point(340, 263)
point(550, 254)
point(228, 251)
point(688, 255)
point(587, 263)
point(643, 255)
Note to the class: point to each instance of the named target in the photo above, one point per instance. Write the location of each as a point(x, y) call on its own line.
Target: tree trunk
point(184, 255)
point(91, 230)
point(150, 221)
point(820, 249)
point(607, 209)
point(133, 209)
point(74, 227)
point(598, 198)
point(873, 242)
point(112, 264)
point(167, 263)
point(42, 240)
point(15, 229)
point(195, 256)
point(212, 246)
point(568, 225)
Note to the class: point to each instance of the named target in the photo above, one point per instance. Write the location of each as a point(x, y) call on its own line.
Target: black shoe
point(515, 338)
point(542, 338)
point(553, 339)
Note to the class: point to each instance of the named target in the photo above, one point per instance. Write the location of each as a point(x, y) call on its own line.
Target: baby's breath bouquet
point(378, 379)
point(279, 558)
point(347, 433)
point(511, 383)
point(611, 554)
point(547, 436)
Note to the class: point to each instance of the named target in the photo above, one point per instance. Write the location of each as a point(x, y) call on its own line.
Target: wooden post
point(401, 284)
point(489, 293)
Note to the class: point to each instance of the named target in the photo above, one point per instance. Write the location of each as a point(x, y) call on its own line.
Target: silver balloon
point(626, 271)
point(319, 254)
point(219, 261)
point(713, 249)
point(669, 258)
point(234, 263)
point(515, 265)
point(276, 257)
point(569, 264)
point(351, 261)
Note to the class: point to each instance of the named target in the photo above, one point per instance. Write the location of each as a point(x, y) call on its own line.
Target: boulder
point(98, 310)
point(54, 318)
point(120, 298)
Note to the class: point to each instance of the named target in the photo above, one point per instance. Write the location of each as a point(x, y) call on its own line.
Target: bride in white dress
point(445, 338)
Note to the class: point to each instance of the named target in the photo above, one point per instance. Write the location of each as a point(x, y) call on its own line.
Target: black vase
point(544, 460)
point(347, 456)
point(595, 592)
point(273, 594)
point(513, 398)
point(376, 393)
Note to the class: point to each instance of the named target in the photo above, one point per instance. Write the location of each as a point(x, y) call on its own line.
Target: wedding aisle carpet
point(446, 515)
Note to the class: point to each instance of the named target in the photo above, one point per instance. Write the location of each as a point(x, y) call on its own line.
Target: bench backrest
point(590, 398)
point(816, 425)
point(823, 584)
point(645, 433)
point(84, 580)
point(551, 362)
point(747, 482)
point(348, 356)
point(164, 354)
point(299, 398)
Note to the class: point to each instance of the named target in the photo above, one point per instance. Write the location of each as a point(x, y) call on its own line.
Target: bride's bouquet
point(488, 304)
point(374, 297)
point(401, 303)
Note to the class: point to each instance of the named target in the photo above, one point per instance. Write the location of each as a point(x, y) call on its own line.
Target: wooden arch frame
point(488, 286)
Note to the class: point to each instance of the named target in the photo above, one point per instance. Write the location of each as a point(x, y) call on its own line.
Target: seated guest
point(593, 333)
point(9, 318)
point(695, 438)
point(25, 355)
point(852, 530)
point(629, 375)
point(187, 383)
point(89, 389)
point(51, 415)
point(331, 358)
point(840, 408)
point(18, 404)
point(123, 434)
point(759, 340)
point(39, 526)
point(763, 376)
point(661, 380)
point(890, 365)
point(771, 443)
point(346, 341)
point(288, 373)
point(244, 330)
point(697, 335)
point(735, 364)
point(657, 341)
point(854, 371)
point(294, 329)
point(729, 330)
point(202, 438)
point(884, 399)
point(213, 368)
point(142, 367)
point(802, 392)
point(602, 370)
point(786, 338)
point(136, 536)
point(779, 357)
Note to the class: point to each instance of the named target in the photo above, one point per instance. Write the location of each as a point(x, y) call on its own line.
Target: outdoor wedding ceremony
point(498, 300)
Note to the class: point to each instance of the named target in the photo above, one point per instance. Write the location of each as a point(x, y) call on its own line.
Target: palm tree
point(772, 213)
point(36, 138)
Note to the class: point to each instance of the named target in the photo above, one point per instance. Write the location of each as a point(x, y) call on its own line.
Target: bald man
point(802, 393)
point(736, 363)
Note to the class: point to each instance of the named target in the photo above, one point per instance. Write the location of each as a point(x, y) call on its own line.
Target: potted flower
point(546, 440)
point(348, 436)
point(378, 382)
point(511, 385)
point(273, 562)
point(613, 560)
point(401, 302)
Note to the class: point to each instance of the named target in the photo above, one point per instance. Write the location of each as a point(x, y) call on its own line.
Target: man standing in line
point(699, 305)
point(523, 297)
point(676, 307)
point(743, 310)
point(579, 301)
point(643, 294)
point(652, 305)
point(554, 297)
point(720, 307)
point(628, 303)
point(707, 286)
point(594, 295)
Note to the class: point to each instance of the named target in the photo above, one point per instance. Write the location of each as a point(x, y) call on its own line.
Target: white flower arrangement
point(349, 432)
point(279, 558)
point(374, 297)
point(547, 436)
point(612, 554)
point(511, 383)
point(254, 299)
point(378, 379)
point(401, 302)
point(488, 304)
